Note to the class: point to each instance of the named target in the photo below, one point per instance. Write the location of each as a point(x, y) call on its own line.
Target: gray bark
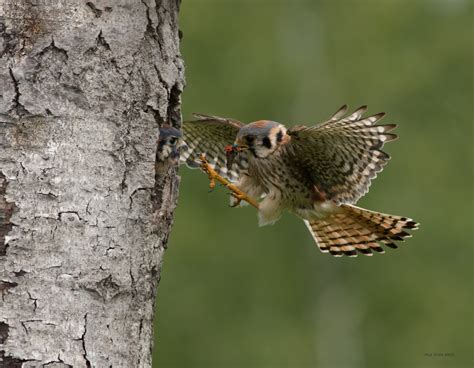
point(84, 87)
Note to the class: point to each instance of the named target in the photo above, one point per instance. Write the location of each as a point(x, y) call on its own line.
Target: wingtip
point(362, 109)
point(339, 113)
point(199, 115)
point(379, 116)
point(389, 137)
point(389, 127)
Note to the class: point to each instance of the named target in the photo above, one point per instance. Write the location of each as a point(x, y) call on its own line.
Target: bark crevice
point(54, 49)
point(17, 107)
point(6, 211)
point(83, 340)
point(5, 286)
point(9, 361)
point(4, 328)
point(97, 12)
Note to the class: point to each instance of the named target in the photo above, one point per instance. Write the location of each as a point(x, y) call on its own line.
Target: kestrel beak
point(235, 148)
point(239, 146)
point(231, 151)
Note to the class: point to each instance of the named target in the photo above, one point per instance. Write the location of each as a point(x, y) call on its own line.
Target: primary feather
point(209, 135)
point(342, 155)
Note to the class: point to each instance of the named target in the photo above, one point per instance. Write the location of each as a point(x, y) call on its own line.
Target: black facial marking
point(279, 136)
point(266, 142)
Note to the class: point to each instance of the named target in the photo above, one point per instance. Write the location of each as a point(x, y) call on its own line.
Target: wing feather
point(342, 155)
point(208, 135)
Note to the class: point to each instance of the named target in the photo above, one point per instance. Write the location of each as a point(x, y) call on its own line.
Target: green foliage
point(236, 295)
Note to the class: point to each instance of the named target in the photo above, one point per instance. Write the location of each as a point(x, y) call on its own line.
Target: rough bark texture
point(84, 222)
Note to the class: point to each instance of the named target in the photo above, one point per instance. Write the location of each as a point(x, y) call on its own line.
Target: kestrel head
point(262, 137)
point(170, 144)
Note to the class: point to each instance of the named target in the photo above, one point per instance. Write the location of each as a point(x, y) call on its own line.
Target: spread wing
point(342, 155)
point(209, 135)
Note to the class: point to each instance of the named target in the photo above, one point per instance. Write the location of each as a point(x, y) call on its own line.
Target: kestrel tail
point(316, 172)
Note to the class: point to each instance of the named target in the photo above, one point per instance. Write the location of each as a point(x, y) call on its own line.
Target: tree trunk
point(84, 87)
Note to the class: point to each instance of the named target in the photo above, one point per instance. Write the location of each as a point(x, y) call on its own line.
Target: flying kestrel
point(316, 172)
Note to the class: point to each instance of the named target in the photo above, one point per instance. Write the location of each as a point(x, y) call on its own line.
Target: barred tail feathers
point(359, 230)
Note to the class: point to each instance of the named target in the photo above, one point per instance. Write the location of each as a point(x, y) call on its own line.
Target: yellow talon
point(214, 176)
point(238, 199)
point(212, 184)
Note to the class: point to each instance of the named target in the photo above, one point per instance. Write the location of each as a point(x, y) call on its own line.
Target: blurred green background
point(236, 295)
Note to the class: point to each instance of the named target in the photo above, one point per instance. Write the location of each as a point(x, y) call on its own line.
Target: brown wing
point(209, 135)
point(342, 155)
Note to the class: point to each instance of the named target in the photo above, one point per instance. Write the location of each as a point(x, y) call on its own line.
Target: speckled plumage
point(209, 135)
point(316, 172)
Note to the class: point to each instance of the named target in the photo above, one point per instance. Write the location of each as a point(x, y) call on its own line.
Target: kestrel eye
point(279, 136)
point(266, 142)
point(250, 139)
point(173, 141)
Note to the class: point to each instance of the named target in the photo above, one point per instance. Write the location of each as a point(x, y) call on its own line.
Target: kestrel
point(170, 144)
point(316, 172)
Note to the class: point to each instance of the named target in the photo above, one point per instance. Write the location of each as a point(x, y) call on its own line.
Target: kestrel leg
point(214, 176)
